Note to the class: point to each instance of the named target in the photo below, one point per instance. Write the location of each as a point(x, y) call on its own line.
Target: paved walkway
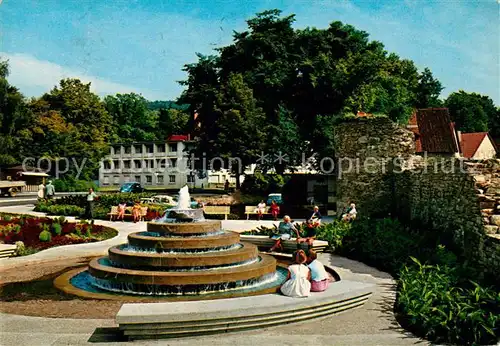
point(373, 324)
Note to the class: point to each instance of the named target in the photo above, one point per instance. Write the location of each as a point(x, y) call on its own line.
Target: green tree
point(235, 130)
point(83, 115)
point(472, 112)
point(172, 121)
point(428, 90)
point(132, 119)
point(15, 120)
point(315, 74)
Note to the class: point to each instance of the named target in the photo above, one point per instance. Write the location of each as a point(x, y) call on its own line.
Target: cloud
point(35, 77)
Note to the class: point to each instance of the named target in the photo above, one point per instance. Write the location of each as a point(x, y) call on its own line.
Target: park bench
point(250, 210)
point(263, 242)
point(217, 210)
point(128, 212)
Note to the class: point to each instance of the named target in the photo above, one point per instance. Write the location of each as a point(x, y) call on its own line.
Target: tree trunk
point(237, 175)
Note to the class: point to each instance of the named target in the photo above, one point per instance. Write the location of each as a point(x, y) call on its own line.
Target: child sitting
point(319, 276)
point(297, 284)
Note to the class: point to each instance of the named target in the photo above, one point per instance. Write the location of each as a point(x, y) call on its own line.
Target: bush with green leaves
point(56, 228)
point(45, 236)
point(67, 210)
point(437, 303)
point(334, 233)
point(73, 185)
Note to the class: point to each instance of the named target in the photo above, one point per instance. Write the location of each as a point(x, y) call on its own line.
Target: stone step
point(186, 326)
point(165, 333)
point(164, 320)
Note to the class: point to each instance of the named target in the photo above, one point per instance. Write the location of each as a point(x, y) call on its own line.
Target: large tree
point(234, 132)
point(132, 119)
point(473, 112)
point(15, 120)
point(72, 111)
point(315, 74)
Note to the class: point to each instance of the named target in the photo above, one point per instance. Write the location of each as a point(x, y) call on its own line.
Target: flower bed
point(40, 233)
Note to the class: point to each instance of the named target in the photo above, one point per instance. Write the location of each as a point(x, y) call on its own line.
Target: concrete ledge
point(163, 320)
point(265, 242)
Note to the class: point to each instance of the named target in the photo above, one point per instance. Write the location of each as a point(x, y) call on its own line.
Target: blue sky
point(141, 46)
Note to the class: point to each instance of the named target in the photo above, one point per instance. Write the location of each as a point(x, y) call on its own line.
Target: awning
point(35, 174)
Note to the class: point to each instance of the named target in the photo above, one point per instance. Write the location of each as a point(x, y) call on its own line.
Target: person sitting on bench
point(285, 229)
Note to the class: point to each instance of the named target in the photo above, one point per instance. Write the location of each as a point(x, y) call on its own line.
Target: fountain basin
point(267, 265)
point(246, 252)
point(149, 242)
point(185, 228)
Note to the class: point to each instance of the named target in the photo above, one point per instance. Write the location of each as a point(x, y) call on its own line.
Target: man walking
point(50, 190)
point(90, 204)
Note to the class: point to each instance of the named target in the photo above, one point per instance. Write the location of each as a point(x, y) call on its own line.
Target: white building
point(160, 164)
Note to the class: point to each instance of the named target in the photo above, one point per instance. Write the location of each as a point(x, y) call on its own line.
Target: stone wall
point(460, 198)
point(454, 196)
point(364, 149)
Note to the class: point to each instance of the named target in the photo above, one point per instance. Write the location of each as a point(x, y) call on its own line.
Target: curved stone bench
point(179, 319)
point(264, 243)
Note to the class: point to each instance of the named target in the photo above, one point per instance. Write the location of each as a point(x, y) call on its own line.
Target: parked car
point(131, 187)
point(274, 197)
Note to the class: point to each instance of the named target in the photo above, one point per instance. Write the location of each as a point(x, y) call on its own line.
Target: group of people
point(122, 208)
point(46, 191)
point(307, 274)
point(286, 229)
point(274, 209)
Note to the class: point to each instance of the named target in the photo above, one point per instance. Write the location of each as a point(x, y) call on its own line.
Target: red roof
point(437, 132)
point(470, 142)
point(178, 138)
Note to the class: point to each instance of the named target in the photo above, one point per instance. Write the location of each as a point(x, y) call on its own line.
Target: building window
point(190, 178)
point(138, 149)
point(149, 179)
point(159, 180)
point(137, 178)
point(173, 147)
point(107, 165)
point(161, 163)
point(171, 179)
point(116, 164)
point(137, 164)
point(149, 149)
point(128, 150)
point(116, 180)
point(118, 150)
point(160, 148)
point(126, 164)
point(173, 163)
point(106, 181)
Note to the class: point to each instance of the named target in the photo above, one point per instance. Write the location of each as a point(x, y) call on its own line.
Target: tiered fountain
point(181, 254)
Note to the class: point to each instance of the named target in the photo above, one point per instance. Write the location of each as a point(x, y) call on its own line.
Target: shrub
point(45, 236)
point(20, 248)
point(7, 218)
point(56, 228)
point(73, 185)
point(334, 233)
point(383, 243)
point(436, 305)
point(67, 210)
point(61, 219)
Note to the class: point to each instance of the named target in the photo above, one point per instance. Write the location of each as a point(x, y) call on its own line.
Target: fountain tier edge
point(196, 260)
